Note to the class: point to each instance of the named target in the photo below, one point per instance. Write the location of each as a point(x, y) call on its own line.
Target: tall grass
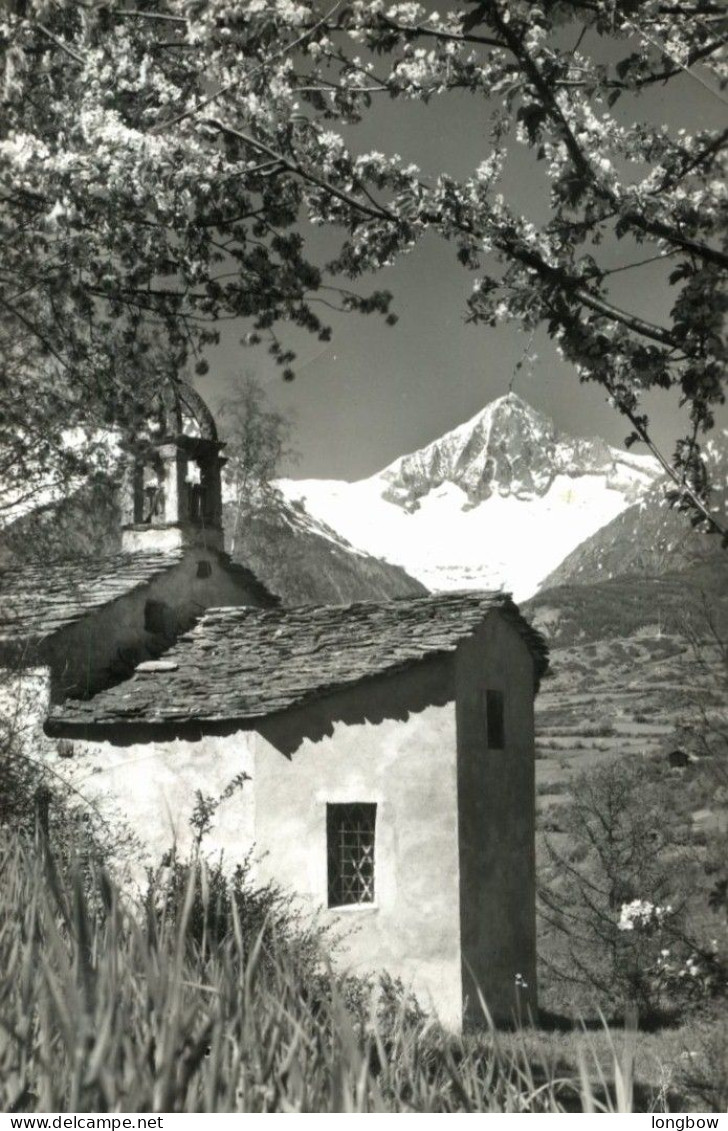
point(108, 1007)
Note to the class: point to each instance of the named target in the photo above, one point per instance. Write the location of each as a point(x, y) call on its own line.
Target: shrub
point(33, 794)
point(705, 1073)
point(602, 728)
point(216, 904)
point(614, 906)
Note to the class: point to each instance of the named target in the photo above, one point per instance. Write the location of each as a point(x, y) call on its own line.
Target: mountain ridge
point(497, 502)
point(651, 538)
point(509, 447)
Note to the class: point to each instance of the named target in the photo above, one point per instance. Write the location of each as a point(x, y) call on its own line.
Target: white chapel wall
point(407, 767)
point(149, 789)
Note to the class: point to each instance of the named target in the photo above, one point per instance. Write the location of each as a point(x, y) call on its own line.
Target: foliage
point(102, 1011)
point(224, 900)
point(619, 898)
point(83, 524)
point(32, 791)
point(257, 439)
point(157, 163)
point(704, 726)
point(705, 1075)
point(25, 786)
point(227, 901)
point(602, 728)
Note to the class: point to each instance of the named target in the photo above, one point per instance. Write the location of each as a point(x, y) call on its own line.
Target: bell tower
point(172, 488)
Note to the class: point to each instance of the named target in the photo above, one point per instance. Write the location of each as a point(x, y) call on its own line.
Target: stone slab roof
point(40, 599)
point(251, 580)
point(243, 664)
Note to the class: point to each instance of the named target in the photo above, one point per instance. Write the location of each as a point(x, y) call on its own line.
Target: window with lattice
point(350, 845)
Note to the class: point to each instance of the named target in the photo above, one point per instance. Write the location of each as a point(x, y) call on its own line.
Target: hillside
point(650, 538)
point(296, 557)
point(85, 524)
point(305, 562)
point(621, 684)
point(631, 679)
point(630, 606)
point(628, 676)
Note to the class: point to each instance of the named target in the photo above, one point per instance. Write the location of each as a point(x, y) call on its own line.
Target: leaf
point(624, 66)
point(474, 18)
point(682, 271)
point(532, 115)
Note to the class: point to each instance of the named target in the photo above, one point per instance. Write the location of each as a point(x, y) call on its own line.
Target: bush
point(213, 905)
point(614, 906)
point(705, 1073)
point(33, 795)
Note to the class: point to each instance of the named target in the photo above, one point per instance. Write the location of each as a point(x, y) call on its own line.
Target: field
point(621, 697)
point(606, 699)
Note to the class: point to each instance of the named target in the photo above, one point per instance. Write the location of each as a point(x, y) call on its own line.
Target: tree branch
point(575, 288)
point(680, 482)
point(134, 13)
point(60, 44)
point(440, 33)
point(288, 47)
point(377, 213)
point(545, 90)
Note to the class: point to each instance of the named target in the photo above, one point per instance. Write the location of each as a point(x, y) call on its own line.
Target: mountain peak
point(509, 448)
point(510, 398)
point(509, 406)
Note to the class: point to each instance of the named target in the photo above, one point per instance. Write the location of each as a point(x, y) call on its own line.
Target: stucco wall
point(405, 765)
point(88, 655)
point(497, 824)
point(149, 790)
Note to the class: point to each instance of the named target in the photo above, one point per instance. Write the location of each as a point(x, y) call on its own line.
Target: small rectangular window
point(350, 849)
point(156, 617)
point(495, 719)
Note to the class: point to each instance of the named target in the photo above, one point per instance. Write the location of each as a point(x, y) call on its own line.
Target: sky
point(375, 392)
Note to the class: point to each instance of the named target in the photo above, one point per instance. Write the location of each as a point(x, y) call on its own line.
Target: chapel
point(386, 748)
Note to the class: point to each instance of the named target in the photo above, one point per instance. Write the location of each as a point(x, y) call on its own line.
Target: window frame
point(494, 710)
point(357, 822)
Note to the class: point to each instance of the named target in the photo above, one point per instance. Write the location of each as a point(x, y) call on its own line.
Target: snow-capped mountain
point(498, 501)
point(510, 449)
point(651, 538)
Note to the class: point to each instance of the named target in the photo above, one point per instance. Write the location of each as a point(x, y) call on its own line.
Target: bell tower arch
point(172, 488)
